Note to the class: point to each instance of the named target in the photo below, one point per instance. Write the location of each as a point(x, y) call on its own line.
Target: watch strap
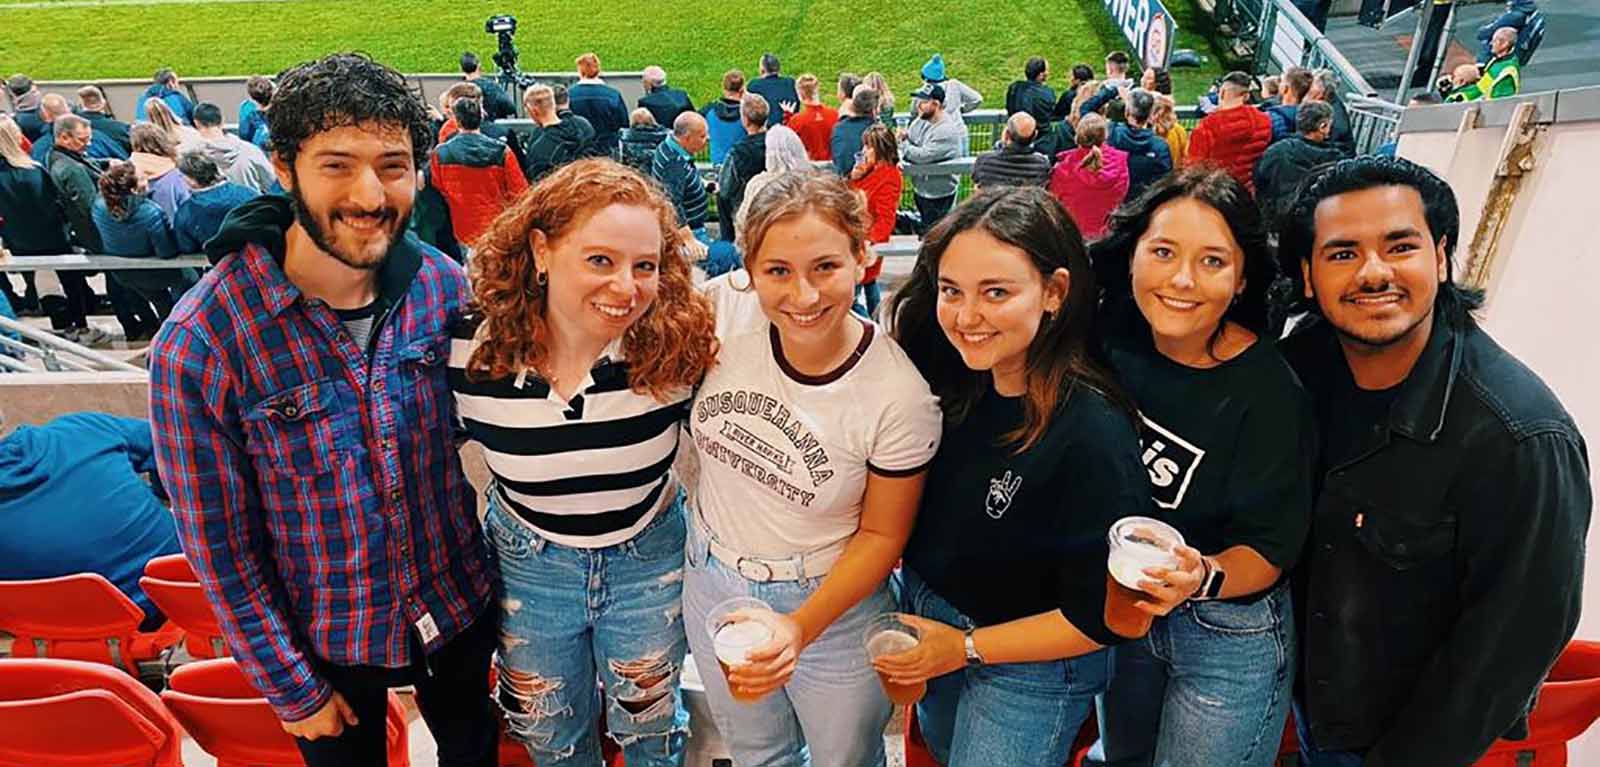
point(973, 658)
point(1210, 583)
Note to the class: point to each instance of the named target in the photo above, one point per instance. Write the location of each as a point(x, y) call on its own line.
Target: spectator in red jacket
point(877, 175)
point(477, 175)
point(814, 122)
point(1234, 136)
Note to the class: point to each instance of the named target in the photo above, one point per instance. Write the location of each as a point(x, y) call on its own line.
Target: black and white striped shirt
point(589, 472)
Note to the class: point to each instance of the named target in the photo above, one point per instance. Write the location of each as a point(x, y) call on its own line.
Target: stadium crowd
point(681, 421)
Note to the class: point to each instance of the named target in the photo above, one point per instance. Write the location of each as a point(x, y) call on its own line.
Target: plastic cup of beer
point(890, 634)
point(1136, 543)
point(734, 633)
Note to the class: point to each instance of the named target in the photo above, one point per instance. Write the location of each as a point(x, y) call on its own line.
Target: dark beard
point(308, 221)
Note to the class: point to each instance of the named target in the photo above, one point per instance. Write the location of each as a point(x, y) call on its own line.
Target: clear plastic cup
point(889, 634)
point(734, 634)
point(1136, 543)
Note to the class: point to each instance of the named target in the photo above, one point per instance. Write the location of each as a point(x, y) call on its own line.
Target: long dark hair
point(1113, 254)
point(1297, 229)
point(1061, 356)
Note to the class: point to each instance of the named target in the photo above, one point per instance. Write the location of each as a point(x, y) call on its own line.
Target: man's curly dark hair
point(339, 90)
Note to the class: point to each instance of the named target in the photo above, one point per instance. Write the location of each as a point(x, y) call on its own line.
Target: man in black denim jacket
point(1445, 563)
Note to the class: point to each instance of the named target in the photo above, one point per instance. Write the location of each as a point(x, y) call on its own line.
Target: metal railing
point(51, 352)
point(1290, 39)
point(1373, 121)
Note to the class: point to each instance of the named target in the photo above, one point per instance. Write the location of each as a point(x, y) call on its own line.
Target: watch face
point(1214, 588)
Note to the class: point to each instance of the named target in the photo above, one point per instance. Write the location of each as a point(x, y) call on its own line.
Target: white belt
point(761, 570)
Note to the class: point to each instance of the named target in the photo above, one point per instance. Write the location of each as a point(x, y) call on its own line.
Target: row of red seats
point(84, 617)
point(1569, 701)
point(66, 713)
point(72, 629)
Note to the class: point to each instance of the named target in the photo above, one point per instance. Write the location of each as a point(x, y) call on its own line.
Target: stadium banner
point(1147, 26)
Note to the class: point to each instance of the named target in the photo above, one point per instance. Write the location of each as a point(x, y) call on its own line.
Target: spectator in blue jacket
point(253, 112)
point(1293, 86)
point(723, 122)
point(74, 499)
point(212, 197)
point(600, 104)
point(665, 103)
point(779, 91)
point(53, 107)
point(131, 226)
point(167, 88)
point(1149, 157)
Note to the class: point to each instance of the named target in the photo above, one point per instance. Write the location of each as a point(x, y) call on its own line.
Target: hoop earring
point(541, 278)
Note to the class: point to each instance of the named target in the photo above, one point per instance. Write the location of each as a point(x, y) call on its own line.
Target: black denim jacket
point(1444, 568)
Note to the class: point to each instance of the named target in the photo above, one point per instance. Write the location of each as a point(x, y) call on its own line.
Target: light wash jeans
point(1004, 713)
point(833, 710)
point(1210, 684)
point(572, 616)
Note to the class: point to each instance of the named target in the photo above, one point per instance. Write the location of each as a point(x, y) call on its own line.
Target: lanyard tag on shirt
point(427, 629)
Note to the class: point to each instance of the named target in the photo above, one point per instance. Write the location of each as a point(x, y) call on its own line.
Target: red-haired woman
point(575, 373)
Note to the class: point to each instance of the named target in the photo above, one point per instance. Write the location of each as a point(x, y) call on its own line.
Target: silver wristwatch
point(973, 658)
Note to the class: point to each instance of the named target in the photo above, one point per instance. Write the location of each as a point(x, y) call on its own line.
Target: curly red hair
point(670, 347)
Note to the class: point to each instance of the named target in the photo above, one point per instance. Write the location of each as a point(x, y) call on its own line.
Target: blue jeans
point(868, 295)
point(572, 616)
point(833, 710)
point(721, 256)
point(1003, 714)
point(1311, 756)
point(1210, 684)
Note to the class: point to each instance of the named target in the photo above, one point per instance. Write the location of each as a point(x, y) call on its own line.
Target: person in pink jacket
point(1092, 179)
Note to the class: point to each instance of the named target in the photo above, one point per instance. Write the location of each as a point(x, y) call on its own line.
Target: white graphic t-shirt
point(783, 456)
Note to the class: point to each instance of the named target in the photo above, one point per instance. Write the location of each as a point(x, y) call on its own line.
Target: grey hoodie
point(934, 142)
point(240, 161)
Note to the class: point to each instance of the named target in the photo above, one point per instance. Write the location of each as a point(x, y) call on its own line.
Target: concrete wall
point(228, 92)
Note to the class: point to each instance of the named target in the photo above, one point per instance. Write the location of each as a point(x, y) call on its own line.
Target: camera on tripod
point(504, 28)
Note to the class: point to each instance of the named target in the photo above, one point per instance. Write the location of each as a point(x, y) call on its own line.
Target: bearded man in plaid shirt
point(304, 428)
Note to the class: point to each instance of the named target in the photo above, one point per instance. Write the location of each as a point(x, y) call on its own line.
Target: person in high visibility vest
point(1502, 77)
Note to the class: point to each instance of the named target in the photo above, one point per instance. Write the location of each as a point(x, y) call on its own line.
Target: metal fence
point(1373, 121)
point(1287, 38)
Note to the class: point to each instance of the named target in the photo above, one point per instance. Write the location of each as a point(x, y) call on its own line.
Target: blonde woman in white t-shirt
point(812, 433)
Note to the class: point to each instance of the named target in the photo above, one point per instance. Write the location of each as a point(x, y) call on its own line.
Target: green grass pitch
point(984, 43)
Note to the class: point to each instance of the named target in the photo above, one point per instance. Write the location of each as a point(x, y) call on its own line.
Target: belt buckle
point(754, 570)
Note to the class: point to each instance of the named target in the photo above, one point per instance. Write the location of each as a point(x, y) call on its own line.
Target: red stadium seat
point(171, 567)
point(78, 617)
point(66, 713)
point(89, 728)
point(232, 722)
point(1569, 701)
point(185, 605)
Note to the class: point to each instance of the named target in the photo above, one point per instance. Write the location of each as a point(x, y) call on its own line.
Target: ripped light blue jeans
point(573, 616)
point(833, 710)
